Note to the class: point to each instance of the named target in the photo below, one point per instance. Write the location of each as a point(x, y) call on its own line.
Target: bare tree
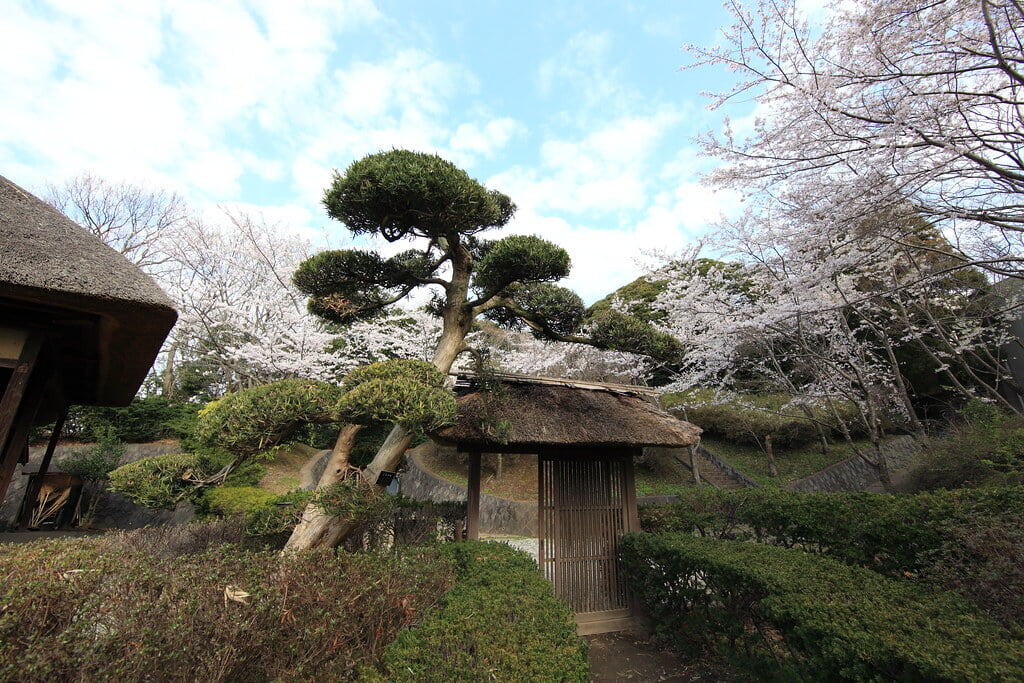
point(139, 223)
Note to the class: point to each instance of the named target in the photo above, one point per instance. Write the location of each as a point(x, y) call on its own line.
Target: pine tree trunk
point(315, 529)
point(318, 530)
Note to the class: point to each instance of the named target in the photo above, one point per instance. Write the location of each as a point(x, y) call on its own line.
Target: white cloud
point(581, 64)
point(484, 140)
point(608, 170)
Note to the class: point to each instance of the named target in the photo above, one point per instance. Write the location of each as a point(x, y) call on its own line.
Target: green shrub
point(747, 418)
point(500, 622)
point(785, 614)
point(985, 447)
point(889, 533)
point(237, 500)
point(145, 419)
point(159, 482)
point(983, 561)
point(93, 610)
point(263, 513)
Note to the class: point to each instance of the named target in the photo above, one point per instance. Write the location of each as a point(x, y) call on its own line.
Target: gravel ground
point(528, 545)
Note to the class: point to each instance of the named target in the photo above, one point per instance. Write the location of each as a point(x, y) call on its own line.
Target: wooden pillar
point(32, 492)
point(473, 498)
point(632, 513)
point(11, 407)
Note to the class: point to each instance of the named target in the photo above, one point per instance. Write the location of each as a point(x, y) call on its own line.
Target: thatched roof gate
point(586, 435)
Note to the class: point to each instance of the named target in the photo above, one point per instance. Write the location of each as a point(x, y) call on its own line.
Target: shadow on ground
point(632, 656)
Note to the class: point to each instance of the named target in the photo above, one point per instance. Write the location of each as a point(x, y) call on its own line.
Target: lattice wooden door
point(585, 507)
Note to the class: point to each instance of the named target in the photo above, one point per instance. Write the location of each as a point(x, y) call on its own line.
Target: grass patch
point(793, 463)
point(651, 483)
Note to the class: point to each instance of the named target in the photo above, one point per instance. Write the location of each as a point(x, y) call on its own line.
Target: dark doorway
point(585, 505)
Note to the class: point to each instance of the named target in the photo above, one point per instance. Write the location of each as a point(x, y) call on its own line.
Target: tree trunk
point(770, 452)
point(449, 346)
point(315, 529)
point(694, 467)
point(321, 530)
point(167, 389)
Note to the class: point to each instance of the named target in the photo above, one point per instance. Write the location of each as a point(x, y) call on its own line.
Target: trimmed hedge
point(500, 622)
point(786, 613)
point(753, 415)
point(890, 533)
point(99, 610)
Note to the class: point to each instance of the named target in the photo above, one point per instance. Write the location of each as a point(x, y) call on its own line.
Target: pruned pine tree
point(409, 196)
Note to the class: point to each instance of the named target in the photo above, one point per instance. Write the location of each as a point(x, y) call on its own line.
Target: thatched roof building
point(586, 436)
point(544, 413)
point(107, 317)
point(79, 324)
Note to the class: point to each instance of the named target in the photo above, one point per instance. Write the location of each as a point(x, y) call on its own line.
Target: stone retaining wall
point(497, 515)
point(854, 474)
point(116, 511)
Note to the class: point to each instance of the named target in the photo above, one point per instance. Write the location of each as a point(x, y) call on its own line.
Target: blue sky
point(577, 110)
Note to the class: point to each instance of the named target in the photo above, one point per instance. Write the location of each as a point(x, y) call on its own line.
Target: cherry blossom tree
point(909, 105)
point(832, 320)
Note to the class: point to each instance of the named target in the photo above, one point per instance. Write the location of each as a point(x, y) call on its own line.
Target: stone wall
point(497, 515)
point(116, 511)
point(854, 474)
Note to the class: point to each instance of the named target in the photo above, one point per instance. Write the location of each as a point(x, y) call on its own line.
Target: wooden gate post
point(473, 498)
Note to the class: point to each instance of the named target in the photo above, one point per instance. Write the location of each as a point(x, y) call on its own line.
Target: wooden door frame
point(602, 621)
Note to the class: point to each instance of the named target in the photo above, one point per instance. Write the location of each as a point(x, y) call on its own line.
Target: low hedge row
point(785, 614)
point(747, 418)
point(889, 533)
point(103, 609)
point(500, 622)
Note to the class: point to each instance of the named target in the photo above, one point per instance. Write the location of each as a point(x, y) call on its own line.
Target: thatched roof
point(56, 275)
point(546, 415)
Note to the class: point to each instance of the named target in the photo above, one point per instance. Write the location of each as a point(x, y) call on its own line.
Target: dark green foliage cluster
point(621, 332)
point(557, 310)
point(793, 615)
point(520, 258)
point(984, 561)
point(894, 534)
point(103, 610)
point(144, 420)
point(251, 421)
point(500, 622)
point(749, 417)
point(407, 392)
point(985, 447)
point(348, 284)
point(159, 482)
point(400, 194)
point(96, 462)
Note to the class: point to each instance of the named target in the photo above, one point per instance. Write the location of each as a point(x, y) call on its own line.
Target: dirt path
point(631, 656)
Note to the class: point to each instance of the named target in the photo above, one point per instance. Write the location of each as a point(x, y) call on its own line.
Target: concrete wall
point(497, 515)
point(854, 474)
point(116, 512)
